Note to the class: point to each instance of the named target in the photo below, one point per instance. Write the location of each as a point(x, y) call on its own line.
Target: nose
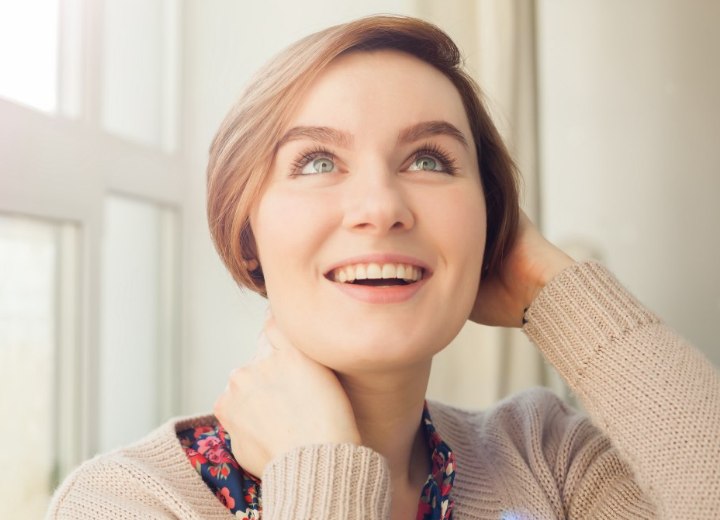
point(376, 203)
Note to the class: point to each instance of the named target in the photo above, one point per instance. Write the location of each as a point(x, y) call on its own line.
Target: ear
point(250, 257)
point(250, 260)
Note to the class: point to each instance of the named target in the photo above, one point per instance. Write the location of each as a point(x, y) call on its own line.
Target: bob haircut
point(244, 148)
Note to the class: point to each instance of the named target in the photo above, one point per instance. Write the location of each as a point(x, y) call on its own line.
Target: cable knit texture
point(652, 449)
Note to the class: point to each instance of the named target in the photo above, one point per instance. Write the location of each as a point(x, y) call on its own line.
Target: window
point(29, 52)
point(138, 319)
point(38, 291)
point(139, 81)
point(73, 136)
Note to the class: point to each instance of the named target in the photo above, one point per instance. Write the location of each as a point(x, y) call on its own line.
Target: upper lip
point(382, 258)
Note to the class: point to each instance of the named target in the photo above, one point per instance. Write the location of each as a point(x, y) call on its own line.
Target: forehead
point(380, 88)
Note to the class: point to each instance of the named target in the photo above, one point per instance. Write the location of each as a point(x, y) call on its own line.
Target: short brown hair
point(244, 147)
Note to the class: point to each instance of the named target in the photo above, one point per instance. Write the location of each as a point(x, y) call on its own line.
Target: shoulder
point(143, 480)
point(511, 414)
point(535, 444)
point(531, 423)
point(537, 425)
point(535, 419)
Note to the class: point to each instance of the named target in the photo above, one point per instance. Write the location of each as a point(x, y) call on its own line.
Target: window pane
point(28, 52)
point(137, 311)
point(30, 252)
point(139, 72)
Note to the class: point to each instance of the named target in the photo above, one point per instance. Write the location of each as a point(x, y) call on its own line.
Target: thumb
point(264, 349)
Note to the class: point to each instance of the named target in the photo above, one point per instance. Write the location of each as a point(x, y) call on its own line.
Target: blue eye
point(319, 165)
point(426, 163)
point(313, 162)
point(431, 158)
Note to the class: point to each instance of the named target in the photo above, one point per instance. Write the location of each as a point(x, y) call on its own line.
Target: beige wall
point(630, 145)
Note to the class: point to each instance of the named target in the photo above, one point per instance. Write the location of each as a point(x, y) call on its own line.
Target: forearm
point(325, 482)
point(654, 395)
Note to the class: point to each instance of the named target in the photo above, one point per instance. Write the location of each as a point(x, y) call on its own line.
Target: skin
point(359, 369)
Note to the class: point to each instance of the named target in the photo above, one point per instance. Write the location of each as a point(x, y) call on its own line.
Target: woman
point(360, 185)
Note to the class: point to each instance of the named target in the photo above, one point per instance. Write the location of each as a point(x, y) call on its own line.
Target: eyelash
point(430, 149)
point(305, 157)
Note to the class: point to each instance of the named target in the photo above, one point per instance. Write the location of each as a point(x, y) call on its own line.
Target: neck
point(388, 410)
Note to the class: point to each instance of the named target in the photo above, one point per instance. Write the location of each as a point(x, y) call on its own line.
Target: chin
point(375, 348)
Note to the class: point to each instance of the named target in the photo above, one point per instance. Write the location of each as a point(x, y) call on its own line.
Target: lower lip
point(380, 294)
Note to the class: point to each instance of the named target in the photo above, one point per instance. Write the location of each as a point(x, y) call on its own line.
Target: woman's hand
point(282, 400)
point(531, 263)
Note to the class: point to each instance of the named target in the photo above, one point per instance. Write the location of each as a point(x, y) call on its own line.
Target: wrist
point(553, 265)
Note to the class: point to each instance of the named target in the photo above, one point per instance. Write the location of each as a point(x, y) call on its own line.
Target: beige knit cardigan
point(652, 449)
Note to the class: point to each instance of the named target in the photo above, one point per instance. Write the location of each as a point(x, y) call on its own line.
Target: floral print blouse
point(208, 449)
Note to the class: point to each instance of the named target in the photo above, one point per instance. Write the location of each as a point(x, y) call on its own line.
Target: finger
point(220, 406)
point(264, 349)
point(277, 339)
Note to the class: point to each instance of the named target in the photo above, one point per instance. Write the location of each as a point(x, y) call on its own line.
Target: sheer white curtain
point(497, 38)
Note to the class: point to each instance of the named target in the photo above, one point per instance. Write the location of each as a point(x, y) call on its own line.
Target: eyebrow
point(323, 134)
point(431, 128)
point(326, 134)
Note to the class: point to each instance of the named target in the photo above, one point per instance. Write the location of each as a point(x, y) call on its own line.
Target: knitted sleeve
point(327, 481)
point(651, 393)
point(102, 488)
point(151, 478)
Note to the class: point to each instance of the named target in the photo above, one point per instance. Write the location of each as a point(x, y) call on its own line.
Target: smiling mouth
point(377, 275)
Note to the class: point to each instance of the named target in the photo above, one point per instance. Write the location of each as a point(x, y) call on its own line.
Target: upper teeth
point(372, 271)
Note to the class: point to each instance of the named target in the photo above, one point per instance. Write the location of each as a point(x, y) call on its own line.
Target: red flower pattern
point(209, 450)
point(224, 495)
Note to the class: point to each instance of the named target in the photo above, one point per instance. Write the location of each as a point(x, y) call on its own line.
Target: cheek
point(289, 229)
point(280, 223)
point(463, 232)
point(461, 222)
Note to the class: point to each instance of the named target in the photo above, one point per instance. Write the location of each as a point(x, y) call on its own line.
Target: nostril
point(397, 225)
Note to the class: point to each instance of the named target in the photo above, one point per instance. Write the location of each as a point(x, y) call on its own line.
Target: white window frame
point(60, 167)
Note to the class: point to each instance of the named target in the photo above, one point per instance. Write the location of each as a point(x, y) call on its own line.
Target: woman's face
point(376, 180)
